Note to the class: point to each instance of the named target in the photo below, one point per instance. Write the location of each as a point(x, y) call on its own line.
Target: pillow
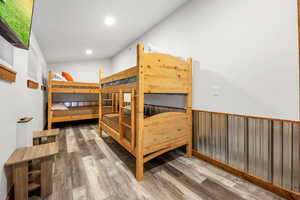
point(67, 76)
point(58, 77)
point(59, 106)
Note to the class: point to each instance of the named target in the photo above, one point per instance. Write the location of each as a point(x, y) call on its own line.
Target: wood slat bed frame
point(155, 135)
point(68, 88)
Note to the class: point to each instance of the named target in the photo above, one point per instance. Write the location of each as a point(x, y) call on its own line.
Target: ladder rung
point(127, 125)
point(107, 99)
point(33, 186)
point(125, 108)
point(34, 172)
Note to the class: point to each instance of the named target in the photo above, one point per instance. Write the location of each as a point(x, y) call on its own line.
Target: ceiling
point(66, 28)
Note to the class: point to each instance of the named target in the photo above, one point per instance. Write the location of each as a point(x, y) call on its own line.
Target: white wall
point(245, 54)
point(83, 71)
point(18, 101)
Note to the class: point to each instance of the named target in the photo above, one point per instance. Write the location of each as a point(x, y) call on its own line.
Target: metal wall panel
point(277, 152)
point(202, 123)
point(237, 142)
point(195, 131)
point(205, 133)
point(296, 158)
point(259, 148)
point(219, 137)
point(269, 149)
point(287, 146)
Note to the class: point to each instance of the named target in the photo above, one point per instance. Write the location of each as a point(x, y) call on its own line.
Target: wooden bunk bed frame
point(152, 136)
point(70, 88)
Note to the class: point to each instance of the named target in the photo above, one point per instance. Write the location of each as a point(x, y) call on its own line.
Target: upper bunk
point(154, 73)
point(71, 87)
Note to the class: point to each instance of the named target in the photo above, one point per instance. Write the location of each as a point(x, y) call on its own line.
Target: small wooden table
point(49, 135)
point(19, 161)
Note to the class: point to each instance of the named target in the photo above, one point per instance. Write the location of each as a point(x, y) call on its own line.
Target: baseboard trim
point(253, 179)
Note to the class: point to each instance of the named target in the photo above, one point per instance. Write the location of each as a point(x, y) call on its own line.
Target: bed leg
point(139, 168)
point(49, 125)
point(100, 131)
point(189, 149)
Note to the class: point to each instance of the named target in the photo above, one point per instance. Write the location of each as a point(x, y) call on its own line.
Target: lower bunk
point(76, 113)
point(164, 129)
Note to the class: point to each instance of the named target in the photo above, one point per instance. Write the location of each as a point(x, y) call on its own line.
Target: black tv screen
point(15, 21)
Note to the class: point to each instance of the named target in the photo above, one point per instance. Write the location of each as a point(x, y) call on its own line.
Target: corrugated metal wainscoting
point(266, 148)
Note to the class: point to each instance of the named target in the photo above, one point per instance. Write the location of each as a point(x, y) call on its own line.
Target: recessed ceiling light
point(109, 21)
point(89, 52)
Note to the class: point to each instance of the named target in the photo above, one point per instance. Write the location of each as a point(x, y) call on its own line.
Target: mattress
point(120, 82)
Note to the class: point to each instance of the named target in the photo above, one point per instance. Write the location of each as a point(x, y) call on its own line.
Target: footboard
point(165, 130)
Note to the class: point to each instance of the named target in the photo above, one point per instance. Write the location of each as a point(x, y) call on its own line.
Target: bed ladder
point(114, 102)
point(122, 124)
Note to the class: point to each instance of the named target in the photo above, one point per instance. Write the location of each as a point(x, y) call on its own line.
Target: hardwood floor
point(92, 168)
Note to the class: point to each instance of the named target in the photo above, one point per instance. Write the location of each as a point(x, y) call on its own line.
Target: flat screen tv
point(15, 21)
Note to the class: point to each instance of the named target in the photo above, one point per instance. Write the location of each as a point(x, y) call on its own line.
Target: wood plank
point(167, 144)
point(32, 84)
point(75, 90)
point(166, 79)
point(128, 73)
point(7, 74)
point(74, 118)
point(20, 180)
point(46, 176)
point(173, 146)
point(33, 186)
point(189, 106)
point(133, 120)
point(121, 102)
point(157, 129)
point(165, 74)
point(96, 191)
point(72, 84)
point(50, 98)
point(31, 153)
point(140, 114)
point(45, 133)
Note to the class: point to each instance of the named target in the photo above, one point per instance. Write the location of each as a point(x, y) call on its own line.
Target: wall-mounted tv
point(15, 21)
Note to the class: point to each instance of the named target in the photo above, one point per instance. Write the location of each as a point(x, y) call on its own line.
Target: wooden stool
point(20, 161)
point(43, 137)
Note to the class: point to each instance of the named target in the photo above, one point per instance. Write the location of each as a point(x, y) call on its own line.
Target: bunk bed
point(72, 113)
point(144, 133)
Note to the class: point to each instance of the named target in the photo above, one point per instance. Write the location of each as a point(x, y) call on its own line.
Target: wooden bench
point(46, 136)
point(20, 162)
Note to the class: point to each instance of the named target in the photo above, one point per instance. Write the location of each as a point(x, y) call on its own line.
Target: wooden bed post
point(133, 119)
point(189, 146)
point(50, 77)
point(121, 103)
point(140, 116)
point(100, 101)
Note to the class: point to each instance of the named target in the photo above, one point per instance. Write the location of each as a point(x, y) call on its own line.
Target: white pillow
point(59, 106)
point(59, 77)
